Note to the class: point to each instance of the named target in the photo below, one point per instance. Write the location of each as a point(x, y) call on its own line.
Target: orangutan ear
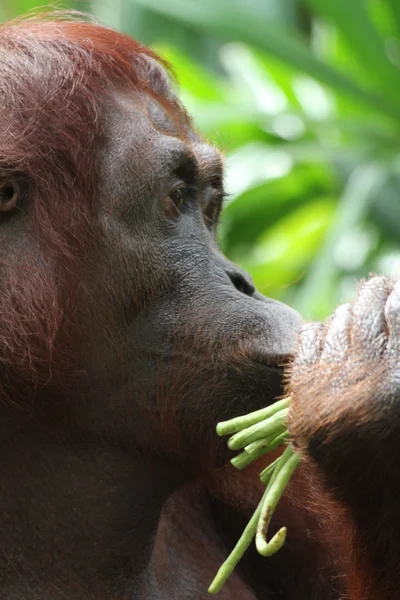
point(10, 192)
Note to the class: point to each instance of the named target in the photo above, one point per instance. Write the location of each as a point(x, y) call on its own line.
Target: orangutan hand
point(345, 422)
point(345, 380)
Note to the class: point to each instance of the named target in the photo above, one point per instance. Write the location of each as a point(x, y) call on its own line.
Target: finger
point(309, 348)
point(392, 316)
point(337, 338)
point(369, 324)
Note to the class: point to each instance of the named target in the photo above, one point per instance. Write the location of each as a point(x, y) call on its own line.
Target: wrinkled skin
point(169, 337)
point(345, 421)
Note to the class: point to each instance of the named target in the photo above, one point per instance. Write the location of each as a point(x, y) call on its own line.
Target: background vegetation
point(303, 97)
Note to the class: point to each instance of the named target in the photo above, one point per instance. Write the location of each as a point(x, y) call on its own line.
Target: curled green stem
point(283, 471)
point(259, 433)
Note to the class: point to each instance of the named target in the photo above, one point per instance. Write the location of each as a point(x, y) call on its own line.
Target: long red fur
point(55, 78)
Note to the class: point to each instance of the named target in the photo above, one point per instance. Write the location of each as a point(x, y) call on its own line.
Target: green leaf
point(20, 7)
point(233, 22)
point(15, 8)
point(365, 182)
point(260, 206)
point(394, 6)
point(191, 76)
point(385, 209)
point(283, 251)
point(353, 22)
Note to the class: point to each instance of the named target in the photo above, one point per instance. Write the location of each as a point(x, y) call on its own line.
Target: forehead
point(144, 136)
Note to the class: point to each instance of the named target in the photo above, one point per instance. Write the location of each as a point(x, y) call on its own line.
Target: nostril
point(242, 283)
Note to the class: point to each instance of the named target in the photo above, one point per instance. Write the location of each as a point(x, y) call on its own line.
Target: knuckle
point(376, 288)
point(369, 327)
point(392, 307)
point(392, 321)
point(336, 341)
point(373, 292)
point(309, 343)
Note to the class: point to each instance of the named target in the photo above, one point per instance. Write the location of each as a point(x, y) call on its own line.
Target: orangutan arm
point(345, 421)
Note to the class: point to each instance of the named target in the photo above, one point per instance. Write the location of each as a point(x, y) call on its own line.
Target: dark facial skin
point(178, 301)
point(169, 338)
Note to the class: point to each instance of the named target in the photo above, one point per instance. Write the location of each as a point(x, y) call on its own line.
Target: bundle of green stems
point(257, 434)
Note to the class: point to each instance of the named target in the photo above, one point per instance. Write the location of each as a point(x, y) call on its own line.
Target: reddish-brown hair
point(55, 77)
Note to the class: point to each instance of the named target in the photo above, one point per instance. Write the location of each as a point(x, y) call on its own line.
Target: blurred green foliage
point(303, 98)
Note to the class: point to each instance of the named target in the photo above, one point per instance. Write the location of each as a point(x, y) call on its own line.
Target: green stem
point(258, 444)
point(266, 475)
point(244, 459)
point(239, 423)
point(244, 542)
point(259, 431)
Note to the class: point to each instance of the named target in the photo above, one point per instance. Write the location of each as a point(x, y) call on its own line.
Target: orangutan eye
point(211, 213)
point(213, 207)
point(177, 195)
point(9, 196)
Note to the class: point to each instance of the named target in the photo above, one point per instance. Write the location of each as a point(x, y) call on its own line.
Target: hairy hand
point(346, 376)
point(345, 421)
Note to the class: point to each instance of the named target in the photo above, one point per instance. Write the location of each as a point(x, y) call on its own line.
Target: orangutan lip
point(271, 360)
